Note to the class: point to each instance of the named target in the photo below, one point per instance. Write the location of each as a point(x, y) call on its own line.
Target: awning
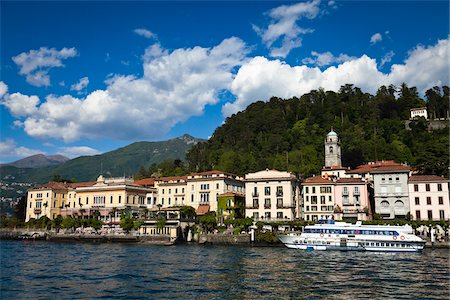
point(202, 209)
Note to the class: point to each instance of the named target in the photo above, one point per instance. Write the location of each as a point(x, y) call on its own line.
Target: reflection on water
point(60, 270)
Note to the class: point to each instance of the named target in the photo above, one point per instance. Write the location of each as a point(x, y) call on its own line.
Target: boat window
point(396, 233)
point(371, 244)
point(378, 244)
point(403, 245)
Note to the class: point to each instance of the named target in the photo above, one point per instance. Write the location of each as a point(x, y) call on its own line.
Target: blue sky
point(79, 78)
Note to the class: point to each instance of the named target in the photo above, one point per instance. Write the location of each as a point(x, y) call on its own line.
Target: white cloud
point(18, 104)
point(283, 28)
point(3, 89)
point(9, 148)
point(376, 38)
point(387, 58)
point(145, 33)
point(76, 151)
point(36, 64)
point(326, 59)
point(80, 85)
point(175, 86)
point(260, 78)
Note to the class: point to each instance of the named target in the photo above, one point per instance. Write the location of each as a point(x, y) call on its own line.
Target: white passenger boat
point(346, 236)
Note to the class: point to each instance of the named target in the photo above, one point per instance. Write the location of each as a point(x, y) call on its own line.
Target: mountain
point(120, 162)
point(38, 161)
point(289, 133)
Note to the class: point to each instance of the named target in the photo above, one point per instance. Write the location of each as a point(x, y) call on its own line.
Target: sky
point(83, 78)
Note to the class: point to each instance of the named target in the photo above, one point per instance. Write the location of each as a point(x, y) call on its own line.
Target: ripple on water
point(115, 271)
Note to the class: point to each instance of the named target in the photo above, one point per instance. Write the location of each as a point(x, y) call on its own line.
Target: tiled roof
point(317, 179)
point(379, 167)
point(81, 184)
point(52, 185)
point(417, 178)
point(202, 209)
point(146, 181)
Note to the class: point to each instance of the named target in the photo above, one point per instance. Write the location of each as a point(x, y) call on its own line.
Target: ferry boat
point(346, 236)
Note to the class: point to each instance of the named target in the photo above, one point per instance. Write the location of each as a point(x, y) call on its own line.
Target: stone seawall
point(223, 239)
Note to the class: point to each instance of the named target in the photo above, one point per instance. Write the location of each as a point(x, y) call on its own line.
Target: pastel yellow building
point(45, 200)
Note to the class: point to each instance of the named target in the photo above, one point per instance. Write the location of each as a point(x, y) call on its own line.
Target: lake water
point(135, 271)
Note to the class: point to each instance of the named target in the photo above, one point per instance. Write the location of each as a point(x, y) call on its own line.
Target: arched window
point(331, 149)
point(399, 203)
point(384, 203)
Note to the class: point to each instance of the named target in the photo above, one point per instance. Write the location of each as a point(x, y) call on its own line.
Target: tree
point(126, 223)
point(208, 222)
point(160, 223)
point(20, 208)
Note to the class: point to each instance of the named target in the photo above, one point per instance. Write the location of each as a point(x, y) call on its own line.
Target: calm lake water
point(135, 271)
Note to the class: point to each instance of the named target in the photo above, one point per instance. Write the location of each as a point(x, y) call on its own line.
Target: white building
point(419, 112)
point(271, 195)
point(429, 197)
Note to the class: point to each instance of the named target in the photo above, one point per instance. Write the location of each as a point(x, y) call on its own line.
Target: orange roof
point(146, 182)
point(380, 166)
point(81, 184)
point(417, 178)
point(317, 179)
point(53, 185)
point(202, 209)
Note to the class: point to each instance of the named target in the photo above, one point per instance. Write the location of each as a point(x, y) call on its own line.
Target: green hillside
point(289, 133)
point(123, 161)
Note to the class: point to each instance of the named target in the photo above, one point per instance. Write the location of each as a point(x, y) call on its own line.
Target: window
point(416, 188)
point(441, 215)
point(111, 199)
point(255, 216)
point(306, 190)
point(427, 187)
point(390, 179)
point(307, 198)
point(440, 187)
point(428, 200)
point(280, 215)
point(322, 199)
point(162, 201)
point(267, 203)
point(170, 191)
point(128, 199)
point(329, 199)
point(267, 215)
point(397, 179)
point(417, 201)
point(38, 204)
point(30, 204)
point(87, 200)
point(192, 198)
point(217, 186)
point(162, 191)
point(313, 199)
point(279, 191)
point(267, 191)
point(176, 190)
point(417, 214)
point(182, 190)
point(313, 189)
point(383, 179)
point(441, 200)
point(54, 203)
point(430, 215)
point(120, 199)
point(192, 187)
point(39, 195)
point(279, 202)
point(168, 201)
point(331, 149)
point(255, 203)
point(307, 208)
point(149, 200)
point(356, 190)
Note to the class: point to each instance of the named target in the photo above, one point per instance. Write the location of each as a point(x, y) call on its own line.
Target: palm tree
point(112, 213)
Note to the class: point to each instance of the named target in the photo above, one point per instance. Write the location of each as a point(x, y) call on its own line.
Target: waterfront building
point(45, 200)
point(429, 197)
point(271, 195)
point(204, 188)
point(230, 205)
point(106, 198)
point(335, 171)
point(317, 195)
point(171, 191)
point(351, 200)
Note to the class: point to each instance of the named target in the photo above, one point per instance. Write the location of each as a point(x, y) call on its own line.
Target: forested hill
point(289, 134)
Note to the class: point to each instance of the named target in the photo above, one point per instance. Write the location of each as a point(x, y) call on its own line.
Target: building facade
point(351, 199)
point(318, 198)
point(271, 195)
point(419, 112)
point(429, 197)
point(46, 200)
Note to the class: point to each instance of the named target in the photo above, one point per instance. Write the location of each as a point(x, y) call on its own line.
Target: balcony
point(281, 206)
point(267, 205)
point(255, 194)
point(37, 211)
point(279, 194)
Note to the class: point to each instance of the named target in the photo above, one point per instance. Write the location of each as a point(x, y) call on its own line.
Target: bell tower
point(332, 150)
